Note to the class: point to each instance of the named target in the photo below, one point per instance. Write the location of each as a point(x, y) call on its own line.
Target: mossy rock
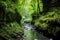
point(51, 20)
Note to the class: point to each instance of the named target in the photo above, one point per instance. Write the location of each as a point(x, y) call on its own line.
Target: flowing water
point(29, 33)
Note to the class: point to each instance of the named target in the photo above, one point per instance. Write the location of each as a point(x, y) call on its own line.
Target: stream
point(29, 33)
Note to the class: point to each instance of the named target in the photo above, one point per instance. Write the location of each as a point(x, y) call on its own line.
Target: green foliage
point(10, 28)
point(9, 19)
point(39, 12)
point(30, 7)
point(51, 20)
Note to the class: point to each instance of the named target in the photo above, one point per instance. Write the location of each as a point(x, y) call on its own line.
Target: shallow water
point(29, 31)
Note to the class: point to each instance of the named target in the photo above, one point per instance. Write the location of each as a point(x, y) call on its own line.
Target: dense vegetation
point(43, 14)
point(10, 26)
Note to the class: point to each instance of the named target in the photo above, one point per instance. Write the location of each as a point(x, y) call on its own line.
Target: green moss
point(10, 24)
point(8, 29)
point(47, 21)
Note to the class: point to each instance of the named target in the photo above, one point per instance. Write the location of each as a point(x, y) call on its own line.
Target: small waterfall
point(28, 31)
point(27, 26)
